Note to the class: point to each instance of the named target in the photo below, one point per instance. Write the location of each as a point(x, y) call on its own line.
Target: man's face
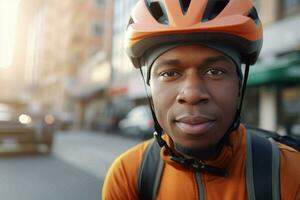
point(194, 91)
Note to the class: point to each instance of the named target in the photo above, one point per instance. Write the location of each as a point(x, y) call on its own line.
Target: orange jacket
point(178, 182)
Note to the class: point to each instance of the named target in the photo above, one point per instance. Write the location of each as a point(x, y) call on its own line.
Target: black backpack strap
point(275, 170)
point(262, 168)
point(150, 171)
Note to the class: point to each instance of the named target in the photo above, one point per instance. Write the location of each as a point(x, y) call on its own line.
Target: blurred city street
point(74, 171)
point(67, 85)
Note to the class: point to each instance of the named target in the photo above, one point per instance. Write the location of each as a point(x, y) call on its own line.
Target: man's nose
point(193, 90)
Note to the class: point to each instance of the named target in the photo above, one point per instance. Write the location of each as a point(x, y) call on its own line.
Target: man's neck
point(207, 153)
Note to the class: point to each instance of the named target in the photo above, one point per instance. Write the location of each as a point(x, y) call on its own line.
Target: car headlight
point(25, 119)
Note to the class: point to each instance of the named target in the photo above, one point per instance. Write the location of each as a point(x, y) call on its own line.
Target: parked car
point(138, 122)
point(24, 132)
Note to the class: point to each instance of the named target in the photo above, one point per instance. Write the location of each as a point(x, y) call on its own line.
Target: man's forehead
point(168, 61)
point(153, 54)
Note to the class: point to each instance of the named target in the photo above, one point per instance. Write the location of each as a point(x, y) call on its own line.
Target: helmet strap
point(237, 119)
point(157, 126)
point(158, 129)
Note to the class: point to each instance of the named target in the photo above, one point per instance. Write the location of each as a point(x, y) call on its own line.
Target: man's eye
point(215, 72)
point(169, 74)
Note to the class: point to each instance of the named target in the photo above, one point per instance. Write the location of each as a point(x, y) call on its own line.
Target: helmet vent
point(213, 9)
point(254, 16)
point(185, 4)
point(158, 12)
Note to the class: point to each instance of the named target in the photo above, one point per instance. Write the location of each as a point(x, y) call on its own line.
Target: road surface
point(74, 171)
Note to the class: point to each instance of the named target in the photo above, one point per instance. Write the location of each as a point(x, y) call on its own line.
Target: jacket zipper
point(200, 186)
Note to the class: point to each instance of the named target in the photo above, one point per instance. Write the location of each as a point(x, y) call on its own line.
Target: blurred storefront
point(89, 89)
point(273, 96)
point(89, 84)
point(61, 37)
point(274, 93)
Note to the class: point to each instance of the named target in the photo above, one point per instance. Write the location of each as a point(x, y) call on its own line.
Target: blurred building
point(127, 88)
point(61, 58)
point(15, 79)
point(56, 41)
point(273, 96)
point(88, 86)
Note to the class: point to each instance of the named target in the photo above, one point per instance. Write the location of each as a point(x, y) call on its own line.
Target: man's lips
point(194, 124)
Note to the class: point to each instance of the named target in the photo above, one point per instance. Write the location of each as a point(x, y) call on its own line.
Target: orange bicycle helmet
point(225, 23)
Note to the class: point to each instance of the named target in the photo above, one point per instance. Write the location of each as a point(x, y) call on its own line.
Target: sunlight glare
point(8, 20)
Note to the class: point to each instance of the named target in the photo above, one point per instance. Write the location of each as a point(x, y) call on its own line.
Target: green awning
point(281, 71)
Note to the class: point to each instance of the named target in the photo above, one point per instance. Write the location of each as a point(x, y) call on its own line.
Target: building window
point(99, 2)
point(289, 117)
point(290, 7)
point(98, 28)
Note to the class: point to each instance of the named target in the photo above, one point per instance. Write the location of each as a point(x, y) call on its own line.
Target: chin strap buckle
point(199, 166)
point(189, 163)
point(159, 140)
point(180, 160)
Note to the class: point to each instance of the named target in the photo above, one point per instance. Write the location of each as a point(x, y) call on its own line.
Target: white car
point(138, 122)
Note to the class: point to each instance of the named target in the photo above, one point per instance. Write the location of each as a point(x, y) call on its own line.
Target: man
point(193, 51)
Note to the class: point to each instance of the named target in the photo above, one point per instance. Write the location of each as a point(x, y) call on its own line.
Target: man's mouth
point(194, 125)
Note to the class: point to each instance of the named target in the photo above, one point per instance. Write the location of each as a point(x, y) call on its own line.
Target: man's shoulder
point(289, 155)
point(289, 171)
point(287, 149)
point(130, 160)
point(287, 143)
point(135, 152)
point(120, 182)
